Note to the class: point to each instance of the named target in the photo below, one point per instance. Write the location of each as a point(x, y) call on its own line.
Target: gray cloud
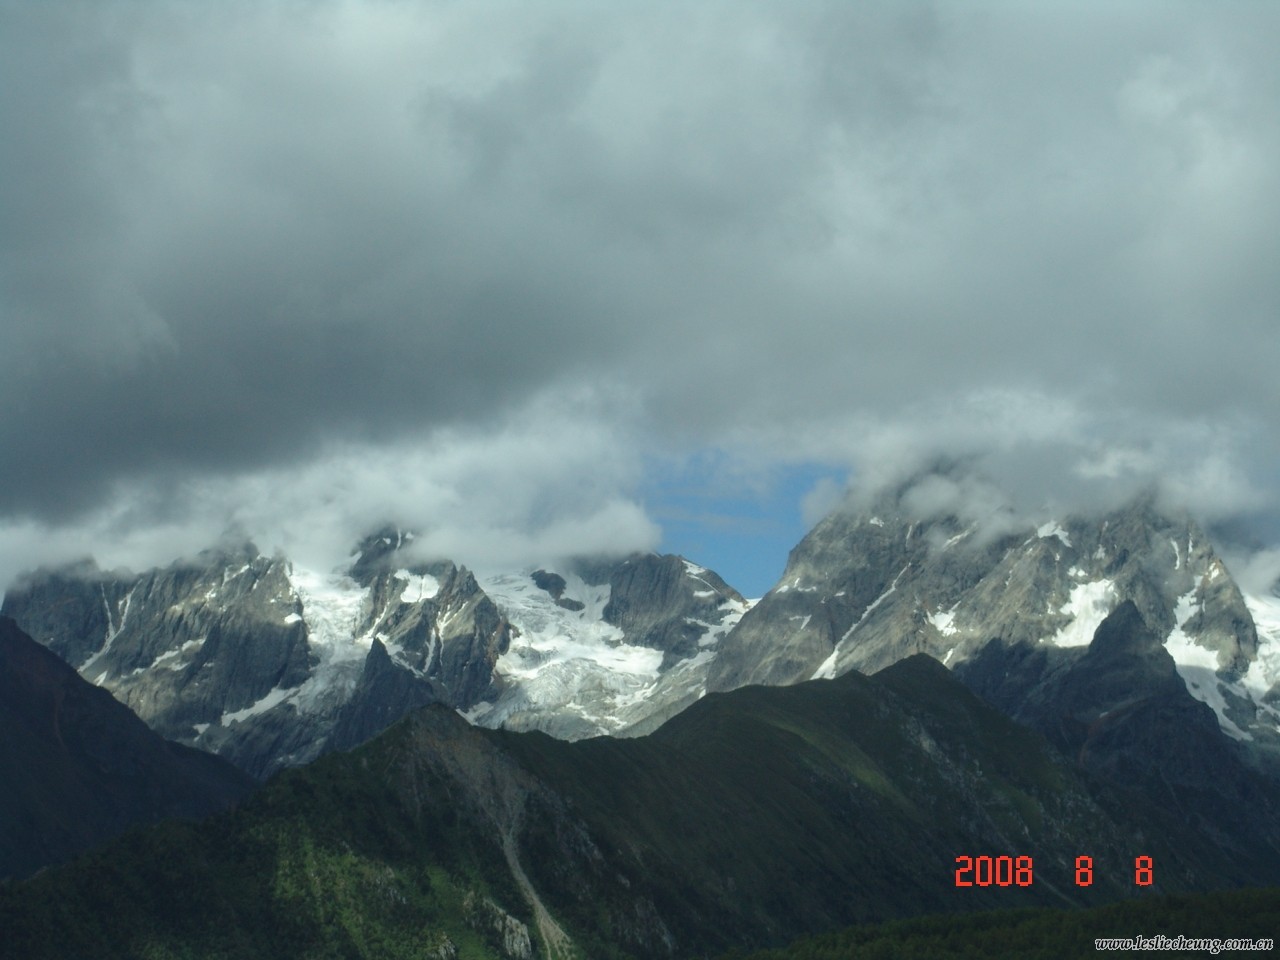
point(238, 238)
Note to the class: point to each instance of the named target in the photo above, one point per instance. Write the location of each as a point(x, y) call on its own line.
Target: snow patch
point(333, 608)
point(473, 715)
point(1087, 606)
point(944, 621)
point(1203, 684)
point(273, 697)
point(827, 669)
point(293, 618)
point(1198, 666)
point(875, 603)
point(1264, 672)
point(1053, 529)
point(113, 630)
point(551, 636)
point(169, 659)
point(565, 661)
point(693, 570)
point(876, 522)
point(734, 609)
point(1184, 650)
point(417, 587)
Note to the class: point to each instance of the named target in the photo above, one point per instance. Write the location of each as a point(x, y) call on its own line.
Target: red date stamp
point(1007, 871)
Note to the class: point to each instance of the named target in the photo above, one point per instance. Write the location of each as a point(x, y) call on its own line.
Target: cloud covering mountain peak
point(241, 243)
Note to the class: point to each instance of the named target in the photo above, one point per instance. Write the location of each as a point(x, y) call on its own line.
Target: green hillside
point(753, 818)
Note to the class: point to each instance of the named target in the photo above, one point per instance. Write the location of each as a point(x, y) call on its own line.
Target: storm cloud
point(269, 261)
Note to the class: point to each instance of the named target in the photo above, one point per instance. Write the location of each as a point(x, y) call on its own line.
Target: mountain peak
point(1123, 631)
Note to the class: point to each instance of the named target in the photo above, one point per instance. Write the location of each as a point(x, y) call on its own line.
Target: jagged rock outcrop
point(383, 694)
point(180, 646)
point(667, 603)
point(248, 657)
point(270, 665)
point(866, 588)
point(608, 646)
point(511, 936)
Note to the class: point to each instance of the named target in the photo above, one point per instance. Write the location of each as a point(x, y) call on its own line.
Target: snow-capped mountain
point(607, 648)
point(867, 588)
point(270, 664)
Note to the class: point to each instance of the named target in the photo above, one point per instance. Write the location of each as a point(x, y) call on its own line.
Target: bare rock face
point(607, 646)
point(180, 646)
point(666, 602)
point(511, 936)
point(77, 767)
point(868, 588)
point(244, 655)
point(270, 665)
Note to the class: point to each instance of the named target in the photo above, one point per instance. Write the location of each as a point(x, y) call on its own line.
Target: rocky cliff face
point(612, 646)
point(77, 767)
point(269, 664)
point(259, 661)
point(262, 661)
point(867, 588)
point(183, 647)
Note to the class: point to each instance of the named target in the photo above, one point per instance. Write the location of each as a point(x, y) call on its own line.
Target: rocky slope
point(608, 646)
point(868, 587)
point(270, 664)
point(247, 656)
point(77, 767)
point(750, 818)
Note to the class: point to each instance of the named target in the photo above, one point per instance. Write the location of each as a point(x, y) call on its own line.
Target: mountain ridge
point(77, 767)
point(753, 817)
point(270, 664)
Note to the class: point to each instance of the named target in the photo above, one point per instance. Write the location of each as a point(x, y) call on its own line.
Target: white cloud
point(546, 483)
point(281, 247)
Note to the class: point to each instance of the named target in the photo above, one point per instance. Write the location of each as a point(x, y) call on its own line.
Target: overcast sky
point(538, 278)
